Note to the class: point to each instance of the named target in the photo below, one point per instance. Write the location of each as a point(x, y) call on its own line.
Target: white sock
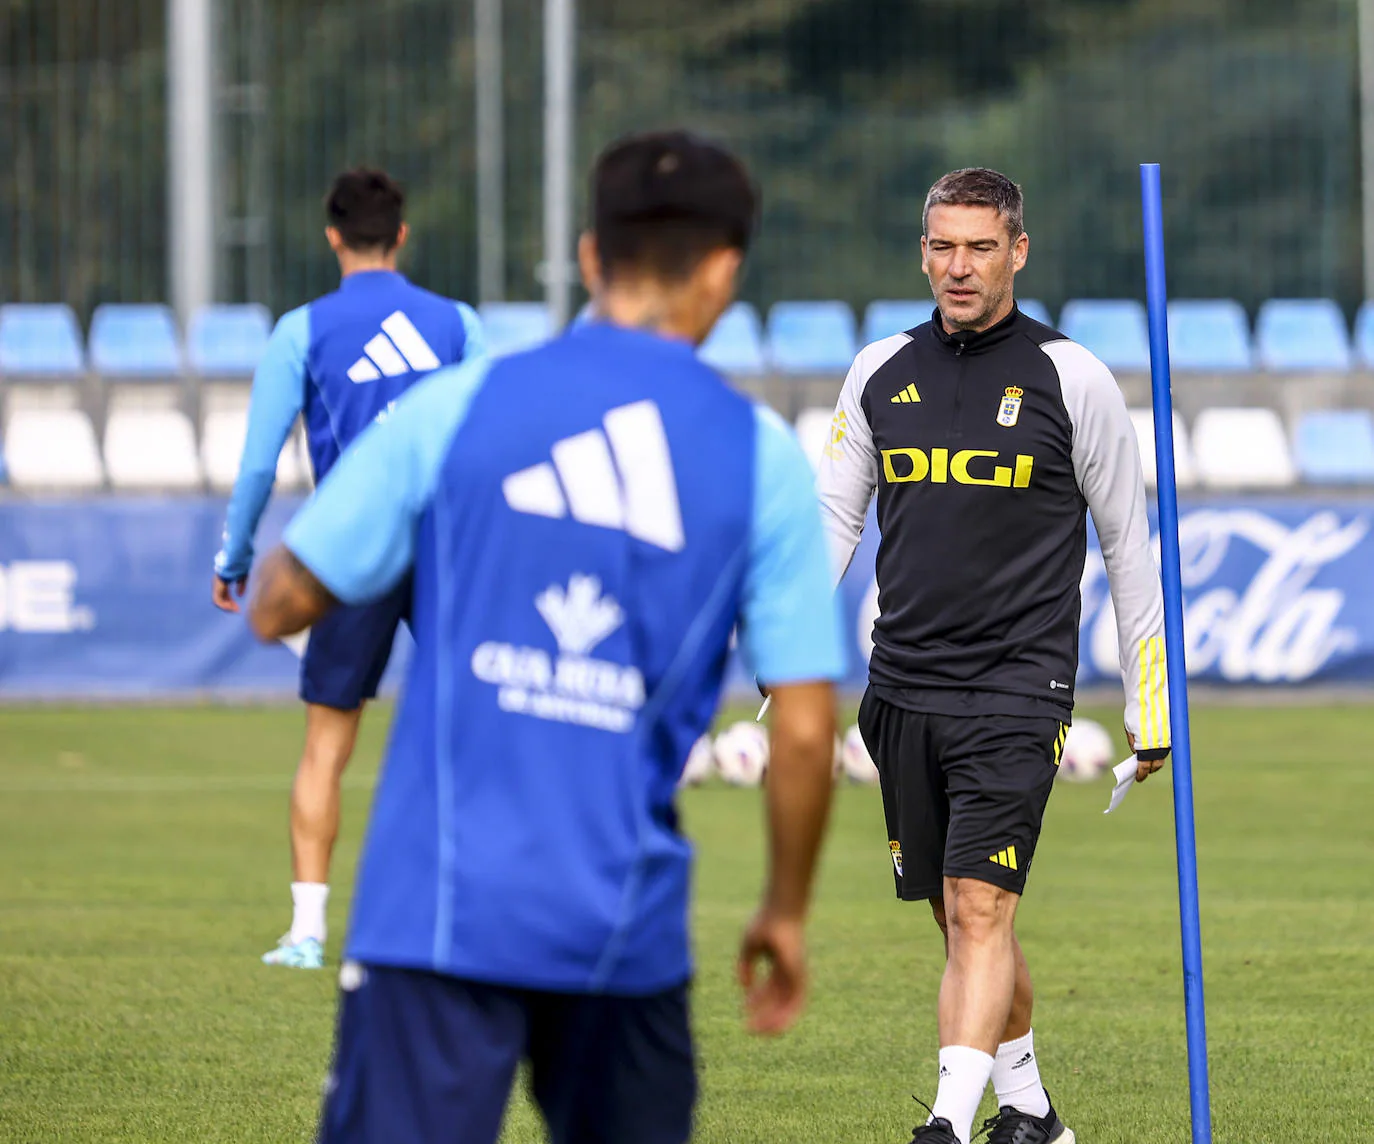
point(964, 1074)
point(307, 915)
point(1016, 1077)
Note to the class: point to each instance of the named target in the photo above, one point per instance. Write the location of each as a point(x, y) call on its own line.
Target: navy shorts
point(349, 648)
point(421, 1058)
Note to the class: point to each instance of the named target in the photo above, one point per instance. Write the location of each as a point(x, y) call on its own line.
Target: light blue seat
point(1364, 334)
point(1113, 329)
point(514, 326)
point(1036, 311)
point(1335, 446)
point(735, 345)
point(137, 342)
point(811, 337)
point(227, 341)
point(1211, 334)
point(890, 316)
point(40, 341)
point(1293, 334)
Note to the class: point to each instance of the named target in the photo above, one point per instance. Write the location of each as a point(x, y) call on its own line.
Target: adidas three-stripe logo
point(399, 348)
point(619, 476)
point(907, 395)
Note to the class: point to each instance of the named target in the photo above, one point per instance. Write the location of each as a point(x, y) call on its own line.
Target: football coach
point(988, 437)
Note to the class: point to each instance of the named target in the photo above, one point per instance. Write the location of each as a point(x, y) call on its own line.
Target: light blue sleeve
point(357, 533)
point(474, 336)
point(790, 620)
point(278, 397)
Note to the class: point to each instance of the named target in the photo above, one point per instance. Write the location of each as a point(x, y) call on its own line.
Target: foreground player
point(586, 523)
point(986, 435)
point(342, 361)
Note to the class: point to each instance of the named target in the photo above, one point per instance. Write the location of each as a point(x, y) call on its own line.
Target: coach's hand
point(1147, 762)
point(773, 1002)
point(225, 590)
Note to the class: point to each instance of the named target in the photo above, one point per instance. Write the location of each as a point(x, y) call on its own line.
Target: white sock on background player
point(307, 910)
point(964, 1075)
point(1016, 1077)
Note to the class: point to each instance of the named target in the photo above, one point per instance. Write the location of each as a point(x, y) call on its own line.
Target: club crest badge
point(896, 848)
point(1010, 409)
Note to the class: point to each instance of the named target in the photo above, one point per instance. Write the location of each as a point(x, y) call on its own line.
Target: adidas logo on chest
point(398, 349)
point(619, 476)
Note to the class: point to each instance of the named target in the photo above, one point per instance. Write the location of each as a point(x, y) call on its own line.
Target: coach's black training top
point(986, 450)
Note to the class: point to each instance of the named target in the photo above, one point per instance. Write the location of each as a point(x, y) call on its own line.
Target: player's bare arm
point(799, 789)
point(288, 598)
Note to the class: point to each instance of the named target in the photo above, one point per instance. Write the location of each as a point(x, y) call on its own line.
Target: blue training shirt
point(340, 361)
point(586, 523)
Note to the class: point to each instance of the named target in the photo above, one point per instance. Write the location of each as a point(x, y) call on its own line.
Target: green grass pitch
point(143, 869)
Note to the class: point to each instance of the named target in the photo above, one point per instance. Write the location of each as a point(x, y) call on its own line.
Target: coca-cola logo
point(1251, 612)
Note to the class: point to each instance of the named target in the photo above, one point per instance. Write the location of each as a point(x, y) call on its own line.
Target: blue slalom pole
point(1157, 297)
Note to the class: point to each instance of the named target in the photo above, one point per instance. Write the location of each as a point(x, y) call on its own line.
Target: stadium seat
point(227, 341)
point(135, 342)
point(1113, 329)
point(1335, 446)
point(1293, 334)
point(813, 431)
point(1211, 335)
point(1364, 334)
point(40, 341)
point(736, 344)
point(514, 326)
point(811, 337)
point(1242, 448)
point(151, 448)
point(52, 449)
point(1185, 470)
point(221, 448)
point(890, 316)
point(1036, 311)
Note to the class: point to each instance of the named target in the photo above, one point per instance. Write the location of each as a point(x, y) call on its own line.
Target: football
point(701, 763)
point(857, 763)
point(741, 753)
point(1087, 752)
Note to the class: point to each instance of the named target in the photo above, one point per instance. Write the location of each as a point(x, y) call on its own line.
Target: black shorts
point(349, 648)
point(422, 1058)
point(964, 796)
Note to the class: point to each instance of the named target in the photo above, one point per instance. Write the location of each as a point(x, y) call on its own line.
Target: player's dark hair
point(365, 206)
point(664, 200)
point(979, 187)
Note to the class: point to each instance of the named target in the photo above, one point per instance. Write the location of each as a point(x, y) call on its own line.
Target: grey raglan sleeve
point(848, 474)
point(1106, 462)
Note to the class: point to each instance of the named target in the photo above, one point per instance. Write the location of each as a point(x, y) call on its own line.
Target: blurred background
point(162, 165)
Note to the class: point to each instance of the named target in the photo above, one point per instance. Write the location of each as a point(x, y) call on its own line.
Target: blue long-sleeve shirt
point(341, 362)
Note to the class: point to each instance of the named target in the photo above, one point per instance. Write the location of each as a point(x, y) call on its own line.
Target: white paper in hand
point(1124, 773)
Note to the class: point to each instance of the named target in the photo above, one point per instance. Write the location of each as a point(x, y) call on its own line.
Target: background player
point(986, 436)
point(586, 524)
point(341, 361)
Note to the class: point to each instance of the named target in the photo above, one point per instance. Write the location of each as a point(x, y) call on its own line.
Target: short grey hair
point(978, 187)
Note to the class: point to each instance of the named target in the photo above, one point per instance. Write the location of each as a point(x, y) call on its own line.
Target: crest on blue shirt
point(1010, 408)
point(580, 617)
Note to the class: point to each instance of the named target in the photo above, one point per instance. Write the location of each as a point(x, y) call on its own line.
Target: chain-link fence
point(847, 111)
